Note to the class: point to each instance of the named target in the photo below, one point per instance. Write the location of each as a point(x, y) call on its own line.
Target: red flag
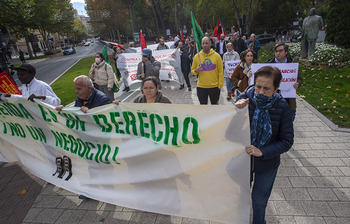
point(198, 24)
point(143, 41)
point(7, 85)
point(182, 36)
point(222, 32)
point(217, 29)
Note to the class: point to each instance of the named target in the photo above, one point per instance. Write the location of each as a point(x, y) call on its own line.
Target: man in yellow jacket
point(207, 64)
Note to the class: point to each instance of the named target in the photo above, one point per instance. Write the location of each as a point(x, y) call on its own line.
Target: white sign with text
point(289, 77)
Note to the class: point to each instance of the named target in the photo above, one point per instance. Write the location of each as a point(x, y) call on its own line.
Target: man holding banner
point(207, 64)
point(281, 51)
point(148, 66)
point(33, 88)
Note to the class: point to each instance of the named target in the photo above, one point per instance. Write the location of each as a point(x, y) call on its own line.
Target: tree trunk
point(160, 15)
point(118, 32)
point(235, 5)
point(250, 16)
point(27, 43)
point(155, 18)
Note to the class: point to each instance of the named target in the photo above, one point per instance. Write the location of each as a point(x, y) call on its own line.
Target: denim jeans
point(262, 187)
point(229, 84)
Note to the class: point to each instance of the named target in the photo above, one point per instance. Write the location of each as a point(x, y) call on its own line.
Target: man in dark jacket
point(88, 97)
point(281, 51)
point(271, 130)
point(221, 46)
point(238, 43)
point(184, 65)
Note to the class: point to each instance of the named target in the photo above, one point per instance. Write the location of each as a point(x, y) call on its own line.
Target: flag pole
point(198, 54)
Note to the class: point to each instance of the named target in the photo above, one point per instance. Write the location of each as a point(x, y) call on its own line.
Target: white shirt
point(40, 88)
point(222, 47)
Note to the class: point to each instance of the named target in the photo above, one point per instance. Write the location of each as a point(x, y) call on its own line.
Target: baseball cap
point(26, 67)
point(146, 52)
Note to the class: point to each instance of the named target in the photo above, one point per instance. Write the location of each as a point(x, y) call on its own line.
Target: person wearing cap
point(33, 88)
point(148, 66)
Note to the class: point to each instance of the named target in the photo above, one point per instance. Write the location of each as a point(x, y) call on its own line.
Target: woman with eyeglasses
point(151, 93)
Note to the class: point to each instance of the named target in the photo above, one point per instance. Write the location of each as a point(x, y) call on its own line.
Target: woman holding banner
point(242, 73)
point(271, 132)
point(230, 55)
point(151, 93)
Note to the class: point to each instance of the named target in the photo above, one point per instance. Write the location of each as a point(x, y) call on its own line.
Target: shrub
point(52, 52)
point(338, 27)
point(269, 47)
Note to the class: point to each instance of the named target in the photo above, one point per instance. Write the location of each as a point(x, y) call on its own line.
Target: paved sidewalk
point(312, 185)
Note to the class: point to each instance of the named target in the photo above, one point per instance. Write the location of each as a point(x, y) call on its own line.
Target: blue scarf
point(260, 128)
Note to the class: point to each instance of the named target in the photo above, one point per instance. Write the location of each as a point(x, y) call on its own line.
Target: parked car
point(265, 38)
point(69, 50)
point(87, 44)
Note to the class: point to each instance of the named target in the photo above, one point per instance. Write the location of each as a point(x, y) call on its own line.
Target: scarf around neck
point(261, 129)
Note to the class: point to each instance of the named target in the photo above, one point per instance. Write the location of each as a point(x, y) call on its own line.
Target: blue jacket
point(282, 132)
point(96, 99)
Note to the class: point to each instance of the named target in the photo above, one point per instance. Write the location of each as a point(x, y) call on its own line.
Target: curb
point(328, 122)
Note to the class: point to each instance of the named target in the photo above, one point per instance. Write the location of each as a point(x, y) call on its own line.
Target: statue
point(309, 33)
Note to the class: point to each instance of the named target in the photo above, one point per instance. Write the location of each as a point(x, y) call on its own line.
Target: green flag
point(198, 34)
point(105, 54)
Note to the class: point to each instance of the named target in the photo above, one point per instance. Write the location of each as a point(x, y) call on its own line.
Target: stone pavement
point(312, 185)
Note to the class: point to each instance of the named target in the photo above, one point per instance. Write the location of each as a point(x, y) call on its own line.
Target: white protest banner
point(183, 160)
point(289, 73)
point(230, 66)
point(169, 59)
point(153, 47)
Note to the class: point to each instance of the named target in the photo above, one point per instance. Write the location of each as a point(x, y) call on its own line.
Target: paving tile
point(289, 208)
point(322, 194)
point(314, 162)
point(340, 146)
point(280, 220)
point(70, 217)
point(317, 208)
point(346, 161)
point(194, 221)
point(339, 139)
point(32, 213)
point(94, 217)
point(50, 189)
point(111, 208)
point(302, 182)
point(326, 182)
point(291, 162)
point(316, 154)
point(347, 151)
point(296, 194)
point(303, 140)
point(118, 217)
point(322, 139)
point(344, 181)
point(125, 209)
point(144, 217)
point(325, 133)
point(308, 171)
point(318, 146)
point(48, 215)
point(167, 219)
point(345, 170)
point(342, 193)
point(50, 201)
point(307, 134)
point(316, 124)
point(316, 129)
point(301, 146)
point(70, 202)
point(336, 220)
point(332, 161)
point(330, 171)
point(277, 195)
point(89, 204)
point(292, 154)
point(309, 220)
point(64, 192)
point(341, 209)
point(282, 182)
point(336, 153)
point(287, 171)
